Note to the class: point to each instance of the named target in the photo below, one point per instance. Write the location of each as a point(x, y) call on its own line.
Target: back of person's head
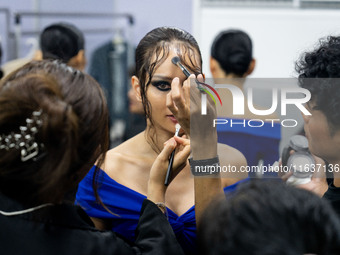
point(53, 126)
point(233, 50)
point(62, 41)
point(321, 64)
point(269, 217)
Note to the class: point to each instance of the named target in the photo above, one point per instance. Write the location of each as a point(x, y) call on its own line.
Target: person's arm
point(185, 103)
point(154, 234)
point(156, 188)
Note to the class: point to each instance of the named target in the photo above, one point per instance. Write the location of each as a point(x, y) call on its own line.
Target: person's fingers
point(186, 92)
point(169, 146)
point(200, 78)
point(177, 94)
point(180, 159)
point(182, 140)
point(169, 101)
point(160, 165)
point(286, 176)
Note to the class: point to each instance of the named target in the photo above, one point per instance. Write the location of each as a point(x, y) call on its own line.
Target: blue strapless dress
point(126, 204)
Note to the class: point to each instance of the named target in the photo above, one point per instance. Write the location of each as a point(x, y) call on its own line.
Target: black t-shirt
point(333, 196)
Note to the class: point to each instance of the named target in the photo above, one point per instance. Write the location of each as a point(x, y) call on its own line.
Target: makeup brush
point(171, 160)
point(177, 62)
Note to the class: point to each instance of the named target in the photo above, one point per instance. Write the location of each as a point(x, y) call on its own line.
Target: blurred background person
point(65, 42)
point(62, 41)
point(231, 62)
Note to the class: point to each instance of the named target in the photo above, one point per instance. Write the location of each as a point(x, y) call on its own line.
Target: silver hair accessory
point(25, 141)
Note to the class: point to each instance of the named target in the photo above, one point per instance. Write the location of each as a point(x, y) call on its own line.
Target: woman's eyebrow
point(163, 77)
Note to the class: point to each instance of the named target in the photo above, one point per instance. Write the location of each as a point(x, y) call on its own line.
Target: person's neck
point(156, 138)
point(237, 81)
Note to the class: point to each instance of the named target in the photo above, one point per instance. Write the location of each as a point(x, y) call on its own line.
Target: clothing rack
point(18, 16)
point(7, 28)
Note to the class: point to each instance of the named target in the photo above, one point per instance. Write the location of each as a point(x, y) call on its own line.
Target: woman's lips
point(172, 118)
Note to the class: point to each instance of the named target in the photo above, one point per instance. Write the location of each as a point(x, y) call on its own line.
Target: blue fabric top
point(127, 203)
point(255, 139)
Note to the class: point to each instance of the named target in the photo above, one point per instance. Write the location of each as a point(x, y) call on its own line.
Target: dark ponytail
point(233, 51)
point(69, 144)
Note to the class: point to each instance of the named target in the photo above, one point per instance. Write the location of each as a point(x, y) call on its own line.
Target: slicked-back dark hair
point(233, 50)
point(154, 48)
point(61, 41)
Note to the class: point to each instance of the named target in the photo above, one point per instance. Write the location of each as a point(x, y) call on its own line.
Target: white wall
point(150, 14)
point(279, 35)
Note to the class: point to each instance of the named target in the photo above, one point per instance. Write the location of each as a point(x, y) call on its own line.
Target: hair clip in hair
point(30, 152)
point(25, 141)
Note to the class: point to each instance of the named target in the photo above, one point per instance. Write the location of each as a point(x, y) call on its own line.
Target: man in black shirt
point(319, 72)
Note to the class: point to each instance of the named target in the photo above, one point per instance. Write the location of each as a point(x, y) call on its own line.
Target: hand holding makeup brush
point(156, 187)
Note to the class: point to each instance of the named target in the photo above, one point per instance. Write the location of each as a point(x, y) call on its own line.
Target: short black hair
point(321, 63)
point(268, 217)
point(61, 41)
point(233, 50)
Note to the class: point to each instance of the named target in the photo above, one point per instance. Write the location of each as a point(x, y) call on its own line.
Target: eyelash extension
point(158, 85)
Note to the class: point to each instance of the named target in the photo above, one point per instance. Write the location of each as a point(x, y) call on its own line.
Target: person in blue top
point(123, 183)
point(232, 60)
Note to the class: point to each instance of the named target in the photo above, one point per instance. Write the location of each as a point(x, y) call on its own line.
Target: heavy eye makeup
point(161, 85)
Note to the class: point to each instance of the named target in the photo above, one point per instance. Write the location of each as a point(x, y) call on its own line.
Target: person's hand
point(156, 187)
point(283, 175)
point(178, 102)
point(318, 183)
point(185, 103)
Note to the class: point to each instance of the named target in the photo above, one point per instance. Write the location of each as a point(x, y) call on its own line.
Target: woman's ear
point(251, 67)
point(38, 55)
point(78, 61)
point(213, 66)
point(136, 87)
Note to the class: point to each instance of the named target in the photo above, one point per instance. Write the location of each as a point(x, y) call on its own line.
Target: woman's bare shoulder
point(231, 162)
point(230, 155)
point(120, 158)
